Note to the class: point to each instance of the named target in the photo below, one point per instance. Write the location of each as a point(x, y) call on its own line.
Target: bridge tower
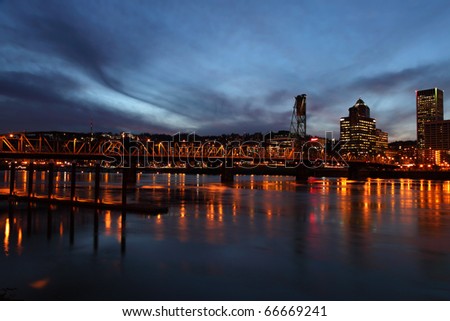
point(298, 120)
point(298, 136)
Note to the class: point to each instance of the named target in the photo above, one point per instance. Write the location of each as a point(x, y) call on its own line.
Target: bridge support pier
point(302, 173)
point(227, 173)
point(354, 173)
point(189, 166)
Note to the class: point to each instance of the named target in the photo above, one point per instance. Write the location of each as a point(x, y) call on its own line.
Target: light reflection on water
point(262, 237)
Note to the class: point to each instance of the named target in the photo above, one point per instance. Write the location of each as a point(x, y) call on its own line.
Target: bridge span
point(130, 152)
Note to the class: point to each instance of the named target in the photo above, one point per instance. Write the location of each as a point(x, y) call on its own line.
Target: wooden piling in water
point(30, 178)
point(51, 170)
point(72, 226)
point(49, 222)
point(12, 178)
point(123, 241)
point(96, 224)
point(73, 181)
point(97, 183)
point(50, 198)
point(131, 173)
point(124, 186)
point(29, 220)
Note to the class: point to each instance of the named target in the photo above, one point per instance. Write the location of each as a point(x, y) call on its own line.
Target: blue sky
point(217, 66)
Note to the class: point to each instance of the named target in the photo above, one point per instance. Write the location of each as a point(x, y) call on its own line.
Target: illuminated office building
point(437, 142)
point(359, 133)
point(429, 107)
point(381, 144)
point(437, 135)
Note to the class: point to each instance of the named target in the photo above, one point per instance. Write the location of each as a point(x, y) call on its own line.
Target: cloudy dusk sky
point(218, 67)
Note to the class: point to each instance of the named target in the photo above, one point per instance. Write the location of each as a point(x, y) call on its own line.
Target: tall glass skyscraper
point(430, 107)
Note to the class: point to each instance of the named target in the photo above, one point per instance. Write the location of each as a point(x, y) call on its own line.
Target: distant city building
point(437, 135)
point(360, 134)
point(430, 107)
point(381, 143)
point(276, 143)
point(437, 142)
point(402, 153)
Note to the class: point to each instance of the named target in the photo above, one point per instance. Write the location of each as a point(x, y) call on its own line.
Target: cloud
point(34, 88)
point(75, 117)
point(80, 47)
point(418, 77)
point(60, 55)
point(212, 67)
point(32, 102)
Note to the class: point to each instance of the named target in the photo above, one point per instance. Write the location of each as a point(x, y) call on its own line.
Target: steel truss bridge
point(76, 146)
point(55, 145)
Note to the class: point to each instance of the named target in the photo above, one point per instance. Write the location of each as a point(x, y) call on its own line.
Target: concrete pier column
point(189, 166)
point(354, 172)
point(302, 173)
point(227, 172)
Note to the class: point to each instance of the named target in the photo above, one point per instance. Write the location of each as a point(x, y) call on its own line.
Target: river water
point(259, 238)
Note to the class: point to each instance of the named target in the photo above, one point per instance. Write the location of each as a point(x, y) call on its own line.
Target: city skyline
point(166, 67)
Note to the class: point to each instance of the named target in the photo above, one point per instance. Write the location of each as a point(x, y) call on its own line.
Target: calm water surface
point(260, 238)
